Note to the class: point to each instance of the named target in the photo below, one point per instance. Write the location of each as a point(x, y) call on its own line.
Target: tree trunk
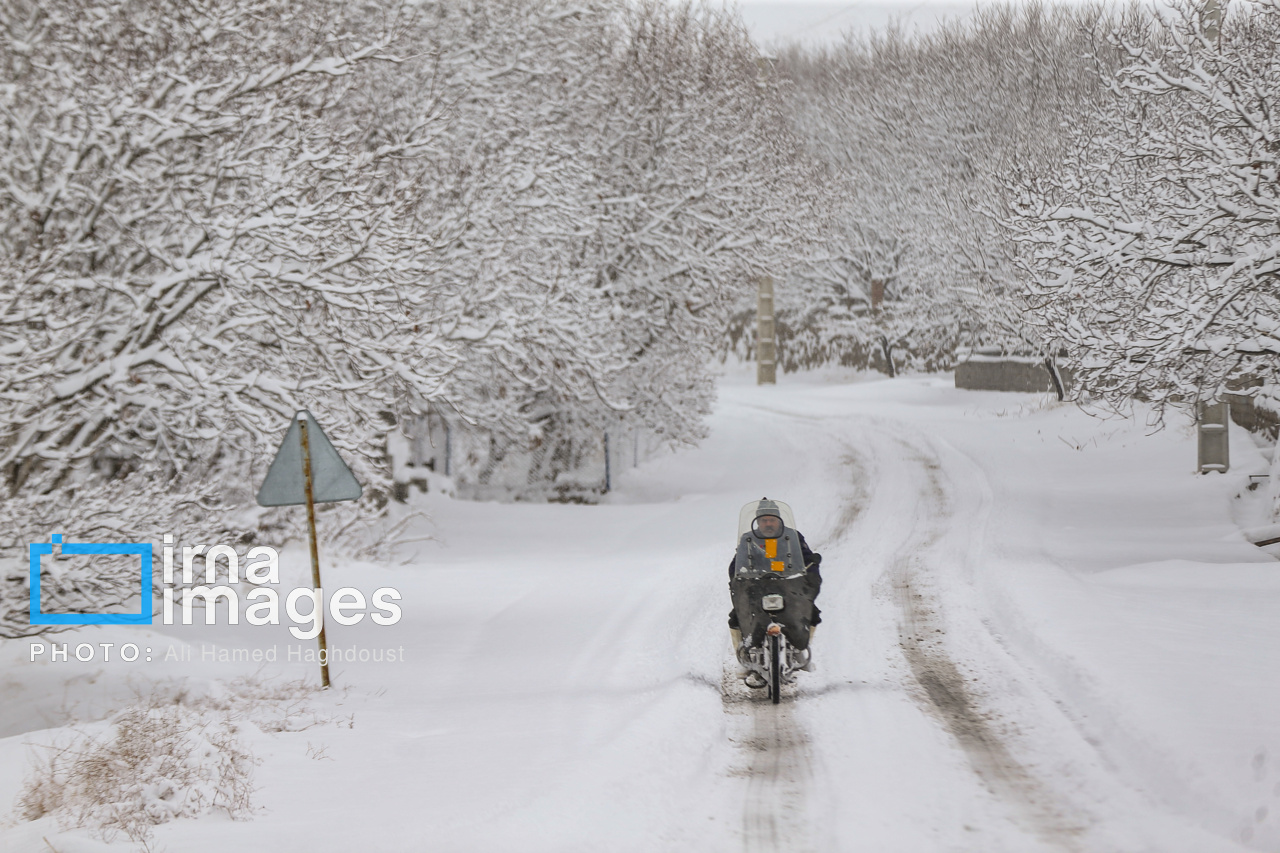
point(1273, 481)
point(887, 348)
point(1056, 377)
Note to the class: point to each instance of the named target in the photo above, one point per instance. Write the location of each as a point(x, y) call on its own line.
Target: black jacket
point(812, 560)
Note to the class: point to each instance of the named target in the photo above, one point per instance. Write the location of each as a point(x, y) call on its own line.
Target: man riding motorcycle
point(767, 535)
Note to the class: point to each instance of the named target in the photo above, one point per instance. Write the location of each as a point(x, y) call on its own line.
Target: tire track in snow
point(778, 767)
point(944, 689)
point(780, 776)
point(778, 755)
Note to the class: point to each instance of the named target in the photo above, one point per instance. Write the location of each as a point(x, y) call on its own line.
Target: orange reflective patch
point(777, 565)
point(771, 548)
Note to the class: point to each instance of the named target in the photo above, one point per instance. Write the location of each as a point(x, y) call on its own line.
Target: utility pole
point(1213, 445)
point(1211, 20)
point(877, 293)
point(766, 341)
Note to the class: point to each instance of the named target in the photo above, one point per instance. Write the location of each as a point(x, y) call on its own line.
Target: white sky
point(773, 22)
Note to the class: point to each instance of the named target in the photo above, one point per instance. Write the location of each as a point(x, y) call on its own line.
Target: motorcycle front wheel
point(775, 668)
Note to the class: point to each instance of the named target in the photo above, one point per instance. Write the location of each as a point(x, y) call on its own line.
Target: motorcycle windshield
point(748, 515)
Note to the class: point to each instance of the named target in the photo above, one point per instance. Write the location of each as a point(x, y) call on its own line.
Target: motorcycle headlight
point(772, 602)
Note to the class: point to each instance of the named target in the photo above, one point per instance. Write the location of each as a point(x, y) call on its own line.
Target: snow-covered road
point(1041, 632)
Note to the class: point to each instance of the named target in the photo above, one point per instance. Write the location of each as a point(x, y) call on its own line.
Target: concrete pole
point(1211, 17)
point(1212, 447)
point(766, 341)
point(877, 293)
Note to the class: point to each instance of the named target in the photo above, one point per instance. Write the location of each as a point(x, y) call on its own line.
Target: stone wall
point(1007, 373)
point(1251, 416)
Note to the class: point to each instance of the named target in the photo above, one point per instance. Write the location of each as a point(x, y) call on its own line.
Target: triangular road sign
point(331, 479)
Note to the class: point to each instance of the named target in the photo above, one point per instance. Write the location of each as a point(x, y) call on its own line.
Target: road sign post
point(315, 549)
point(308, 470)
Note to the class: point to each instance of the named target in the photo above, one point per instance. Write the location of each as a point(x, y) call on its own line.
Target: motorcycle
point(773, 597)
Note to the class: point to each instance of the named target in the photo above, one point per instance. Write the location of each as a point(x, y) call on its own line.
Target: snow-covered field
point(1041, 631)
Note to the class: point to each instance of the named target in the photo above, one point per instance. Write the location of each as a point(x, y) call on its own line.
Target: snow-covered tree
point(192, 249)
point(1153, 255)
point(922, 130)
point(706, 189)
point(530, 216)
point(629, 166)
point(854, 304)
